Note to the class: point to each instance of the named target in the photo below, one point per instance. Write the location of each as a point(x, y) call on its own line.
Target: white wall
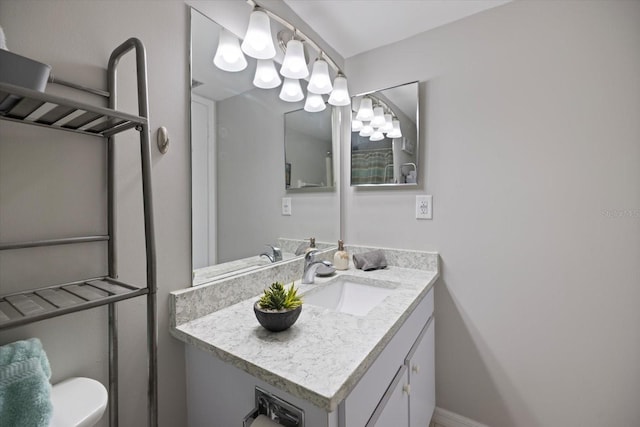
point(52, 185)
point(530, 122)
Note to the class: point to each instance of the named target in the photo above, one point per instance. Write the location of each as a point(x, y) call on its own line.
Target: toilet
point(78, 402)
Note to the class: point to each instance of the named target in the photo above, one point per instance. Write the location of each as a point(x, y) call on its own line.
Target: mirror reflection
point(238, 179)
point(308, 150)
point(384, 137)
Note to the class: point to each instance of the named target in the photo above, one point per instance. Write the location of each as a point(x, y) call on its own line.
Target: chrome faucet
point(275, 255)
point(311, 266)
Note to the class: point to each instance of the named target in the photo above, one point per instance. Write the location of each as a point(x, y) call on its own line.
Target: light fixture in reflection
point(314, 103)
point(376, 136)
point(266, 76)
point(365, 112)
point(356, 125)
point(388, 124)
point(378, 117)
point(291, 90)
point(367, 130)
point(395, 132)
point(229, 56)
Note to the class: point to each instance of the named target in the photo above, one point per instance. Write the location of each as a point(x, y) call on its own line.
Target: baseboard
point(444, 418)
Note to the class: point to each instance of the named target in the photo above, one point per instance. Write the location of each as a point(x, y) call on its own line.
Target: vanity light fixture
point(291, 90)
point(229, 56)
point(258, 42)
point(314, 102)
point(320, 82)
point(266, 76)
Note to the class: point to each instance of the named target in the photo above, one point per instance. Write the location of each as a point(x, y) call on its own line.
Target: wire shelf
point(39, 304)
point(41, 109)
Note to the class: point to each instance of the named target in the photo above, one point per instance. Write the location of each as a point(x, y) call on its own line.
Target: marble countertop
point(324, 354)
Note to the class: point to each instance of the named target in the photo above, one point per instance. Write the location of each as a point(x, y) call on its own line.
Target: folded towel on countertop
point(25, 391)
point(372, 260)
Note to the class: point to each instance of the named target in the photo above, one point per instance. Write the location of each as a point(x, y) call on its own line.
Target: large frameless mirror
point(238, 168)
point(384, 137)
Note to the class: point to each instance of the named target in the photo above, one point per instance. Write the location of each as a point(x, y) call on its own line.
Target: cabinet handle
point(407, 389)
point(416, 368)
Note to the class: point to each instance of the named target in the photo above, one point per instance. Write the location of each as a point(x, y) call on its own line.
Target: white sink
point(349, 294)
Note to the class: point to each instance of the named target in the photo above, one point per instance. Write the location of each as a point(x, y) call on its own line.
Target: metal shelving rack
point(41, 109)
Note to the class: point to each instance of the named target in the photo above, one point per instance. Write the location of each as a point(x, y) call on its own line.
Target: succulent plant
point(276, 297)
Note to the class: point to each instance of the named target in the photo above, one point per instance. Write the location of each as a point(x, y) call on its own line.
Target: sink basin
point(349, 294)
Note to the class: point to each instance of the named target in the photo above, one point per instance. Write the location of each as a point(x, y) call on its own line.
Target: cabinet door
point(421, 369)
point(393, 410)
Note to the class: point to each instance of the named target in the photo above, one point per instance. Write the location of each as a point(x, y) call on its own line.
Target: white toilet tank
point(78, 402)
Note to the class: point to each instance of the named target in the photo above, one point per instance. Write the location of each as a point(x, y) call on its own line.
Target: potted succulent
point(278, 308)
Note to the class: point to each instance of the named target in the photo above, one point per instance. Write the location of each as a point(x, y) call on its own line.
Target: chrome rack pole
point(145, 152)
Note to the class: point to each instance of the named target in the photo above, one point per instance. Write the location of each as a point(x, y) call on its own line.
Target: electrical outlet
point(286, 206)
point(424, 207)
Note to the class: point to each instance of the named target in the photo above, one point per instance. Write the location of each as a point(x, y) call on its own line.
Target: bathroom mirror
point(238, 167)
point(384, 137)
point(308, 151)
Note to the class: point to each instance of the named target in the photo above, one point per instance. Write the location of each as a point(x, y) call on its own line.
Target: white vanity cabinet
point(398, 390)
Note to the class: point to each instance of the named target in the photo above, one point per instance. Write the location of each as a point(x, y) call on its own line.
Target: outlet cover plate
point(424, 207)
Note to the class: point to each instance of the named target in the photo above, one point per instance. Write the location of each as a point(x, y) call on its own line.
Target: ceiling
point(355, 26)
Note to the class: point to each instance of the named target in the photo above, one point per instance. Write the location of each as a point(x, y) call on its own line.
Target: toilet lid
point(78, 402)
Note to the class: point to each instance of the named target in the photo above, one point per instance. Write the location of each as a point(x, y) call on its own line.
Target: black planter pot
point(276, 321)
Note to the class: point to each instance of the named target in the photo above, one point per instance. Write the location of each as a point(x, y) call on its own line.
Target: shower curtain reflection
point(372, 166)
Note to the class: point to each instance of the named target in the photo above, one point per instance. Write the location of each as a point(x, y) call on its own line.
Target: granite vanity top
point(324, 354)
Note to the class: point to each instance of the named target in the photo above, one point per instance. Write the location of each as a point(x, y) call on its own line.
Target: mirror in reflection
point(238, 157)
point(384, 137)
point(308, 149)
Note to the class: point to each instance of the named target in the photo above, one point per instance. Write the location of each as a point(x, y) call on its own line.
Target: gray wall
point(530, 120)
point(52, 185)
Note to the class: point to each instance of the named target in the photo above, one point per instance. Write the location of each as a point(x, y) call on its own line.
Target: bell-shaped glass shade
point(395, 132)
point(228, 56)
point(340, 94)
point(291, 90)
point(365, 112)
point(294, 66)
point(356, 125)
point(258, 42)
point(320, 81)
point(378, 117)
point(314, 103)
point(367, 130)
point(266, 75)
point(388, 124)
point(376, 136)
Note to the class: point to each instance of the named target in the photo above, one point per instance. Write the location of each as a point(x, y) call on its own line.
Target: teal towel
point(25, 392)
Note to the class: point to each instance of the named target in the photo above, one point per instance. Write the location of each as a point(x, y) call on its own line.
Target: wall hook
point(162, 139)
